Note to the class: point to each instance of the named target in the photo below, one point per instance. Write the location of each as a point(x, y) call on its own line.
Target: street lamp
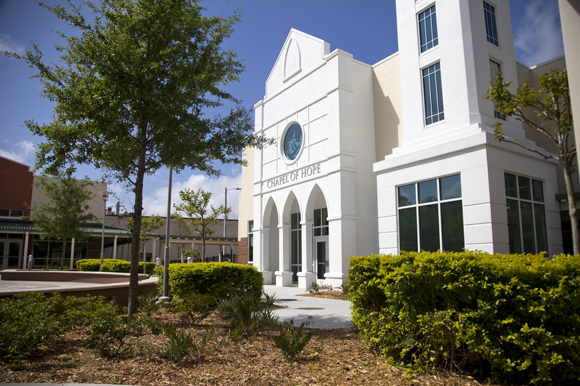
point(165, 297)
point(226, 216)
point(105, 196)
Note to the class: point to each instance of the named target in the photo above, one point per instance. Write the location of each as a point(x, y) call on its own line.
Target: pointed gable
point(300, 54)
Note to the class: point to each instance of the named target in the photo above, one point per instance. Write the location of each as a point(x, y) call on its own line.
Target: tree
point(132, 94)
point(61, 218)
point(148, 225)
point(199, 218)
point(551, 103)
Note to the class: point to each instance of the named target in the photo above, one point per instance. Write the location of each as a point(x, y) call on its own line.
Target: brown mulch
point(334, 294)
point(334, 357)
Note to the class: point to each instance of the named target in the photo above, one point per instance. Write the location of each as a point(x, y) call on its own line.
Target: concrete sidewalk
point(324, 313)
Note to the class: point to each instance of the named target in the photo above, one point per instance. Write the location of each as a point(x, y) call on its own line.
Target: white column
point(265, 264)
point(154, 251)
point(306, 276)
point(284, 275)
point(24, 264)
point(72, 252)
point(115, 247)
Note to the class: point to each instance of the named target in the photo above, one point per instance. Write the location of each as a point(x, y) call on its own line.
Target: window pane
point(317, 217)
point(407, 195)
point(5, 212)
point(528, 227)
point(428, 191)
point(324, 216)
point(250, 226)
point(511, 189)
point(514, 226)
point(525, 189)
point(408, 229)
point(538, 190)
point(324, 231)
point(317, 231)
point(450, 187)
point(452, 226)
point(541, 235)
point(429, 228)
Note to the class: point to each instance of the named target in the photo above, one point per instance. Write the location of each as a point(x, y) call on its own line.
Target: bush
point(515, 318)
point(221, 280)
point(111, 265)
point(27, 322)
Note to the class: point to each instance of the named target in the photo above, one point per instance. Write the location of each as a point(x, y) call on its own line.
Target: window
point(490, 25)
point(526, 214)
point(433, 94)
point(428, 29)
point(11, 213)
point(296, 246)
point(495, 68)
point(250, 241)
point(431, 215)
point(320, 222)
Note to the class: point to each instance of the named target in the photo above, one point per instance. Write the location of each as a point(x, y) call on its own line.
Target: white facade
point(372, 134)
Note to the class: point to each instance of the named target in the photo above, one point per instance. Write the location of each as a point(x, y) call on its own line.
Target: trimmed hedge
point(221, 280)
point(511, 318)
point(112, 265)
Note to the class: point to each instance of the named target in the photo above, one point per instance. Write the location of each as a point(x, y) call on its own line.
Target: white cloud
point(156, 202)
point(7, 44)
point(19, 152)
point(538, 35)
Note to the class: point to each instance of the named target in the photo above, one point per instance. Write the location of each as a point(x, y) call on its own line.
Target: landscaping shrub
point(511, 318)
point(221, 280)
point(292, 340)
point(111, 265)
point(27, 322)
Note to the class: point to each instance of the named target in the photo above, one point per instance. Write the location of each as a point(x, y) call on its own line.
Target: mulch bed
point(334, 357)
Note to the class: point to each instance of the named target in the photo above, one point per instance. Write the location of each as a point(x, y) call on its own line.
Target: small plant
point(269, 300)
point(344, 288)
point(292, 340)
point(148, 303)
point(246, 314)
point(182, 343)
point(316, 288)
point(195, 306)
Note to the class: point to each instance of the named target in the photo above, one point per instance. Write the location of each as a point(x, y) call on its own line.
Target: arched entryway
point(270, 242)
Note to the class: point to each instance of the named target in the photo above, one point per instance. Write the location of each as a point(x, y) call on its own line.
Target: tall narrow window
point(495, 68)
point(250, 241)
point(431, 215)
point(526, 214)
point(296, 246)
point(428, 29)
point(433, 94)
point(490, 24)
point(320, 227)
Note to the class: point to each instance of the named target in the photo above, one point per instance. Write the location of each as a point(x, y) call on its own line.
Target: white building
point(399, 155)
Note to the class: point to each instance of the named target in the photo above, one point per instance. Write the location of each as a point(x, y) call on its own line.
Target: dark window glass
point(317, 221)
point(427, 191)
point(433, 94)
point(511, 188)
point(528, 230)
point(541, 237)
point(408, 229)
point(5, 212)
point(450, 187)
point(429, 228)
point(514, 226)
point(538, 190)
point(452, 226)
point(428, 29)
point(407, 195)
point(525, 188)
point(490, 24)
point(250, 241)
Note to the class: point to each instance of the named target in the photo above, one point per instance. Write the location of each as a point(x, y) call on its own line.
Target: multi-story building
point(399, 155)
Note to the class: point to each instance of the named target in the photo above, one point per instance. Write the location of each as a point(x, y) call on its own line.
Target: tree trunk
point(572, 209)
point(144, 257)
point(202, 247)
point(136, 231)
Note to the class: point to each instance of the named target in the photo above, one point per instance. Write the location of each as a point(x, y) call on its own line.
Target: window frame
point(490, 19)
point(520, 247)
point(417, 205)
point(436, 78)
point(427, 45)
point(251, 241)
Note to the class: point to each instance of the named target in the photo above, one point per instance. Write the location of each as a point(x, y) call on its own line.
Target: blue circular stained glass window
point(293, 142)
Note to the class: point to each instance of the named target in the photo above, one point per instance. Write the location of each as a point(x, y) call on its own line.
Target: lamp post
point(226, 216)
point(105, 196)
point(165, 297)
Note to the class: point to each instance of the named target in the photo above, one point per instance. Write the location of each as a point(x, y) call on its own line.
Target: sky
point(365, 28)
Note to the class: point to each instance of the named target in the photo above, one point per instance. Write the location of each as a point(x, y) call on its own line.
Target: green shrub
point(221, 280)
point(291, 340)
point(111, 265)
point(124, 266)
point(316, 288)
point(182, 343)
point(27, 322)
point(514, 318)
point(195, 306)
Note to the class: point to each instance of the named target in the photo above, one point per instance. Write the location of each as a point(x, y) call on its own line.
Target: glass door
point(10, 254)
point(321, 258)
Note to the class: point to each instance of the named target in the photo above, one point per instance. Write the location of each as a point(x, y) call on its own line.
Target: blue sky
point(365, 28)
